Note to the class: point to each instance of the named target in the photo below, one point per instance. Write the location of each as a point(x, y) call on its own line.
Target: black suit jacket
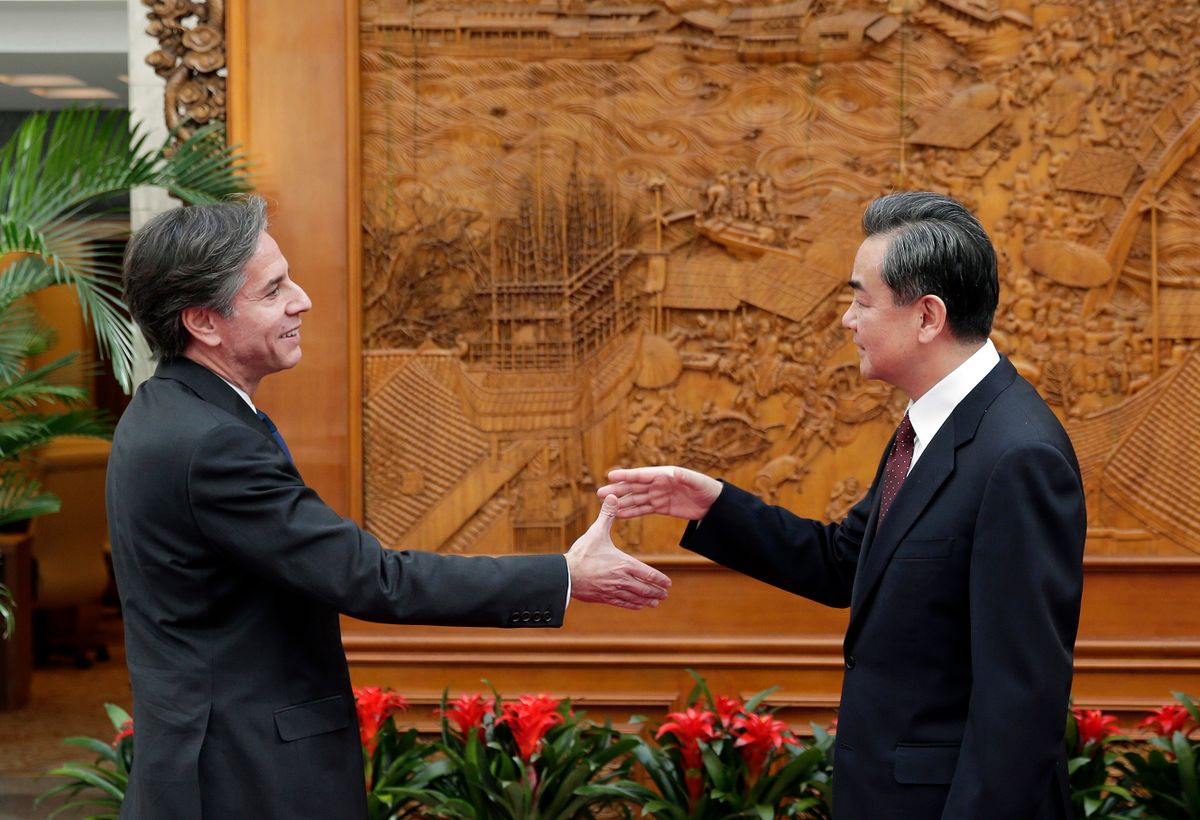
point(963, 612)
point(232, 573)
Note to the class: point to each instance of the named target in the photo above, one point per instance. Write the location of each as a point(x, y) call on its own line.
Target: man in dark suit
point(962, 566)
point(232, 572)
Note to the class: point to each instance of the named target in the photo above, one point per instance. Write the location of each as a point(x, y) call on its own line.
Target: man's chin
point(291, 361)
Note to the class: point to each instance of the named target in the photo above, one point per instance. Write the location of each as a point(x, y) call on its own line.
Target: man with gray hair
point(962, 566)
point(232, 572)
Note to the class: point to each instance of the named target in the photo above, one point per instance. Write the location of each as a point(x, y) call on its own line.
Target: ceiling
point(84, 39)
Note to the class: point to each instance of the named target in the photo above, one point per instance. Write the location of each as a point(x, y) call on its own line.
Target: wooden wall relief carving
point(191, 58)
point(600, 234)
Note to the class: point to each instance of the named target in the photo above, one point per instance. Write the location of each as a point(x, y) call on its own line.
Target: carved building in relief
point(601, 234)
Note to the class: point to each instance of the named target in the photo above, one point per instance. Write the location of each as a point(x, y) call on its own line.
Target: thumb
point(608, 514)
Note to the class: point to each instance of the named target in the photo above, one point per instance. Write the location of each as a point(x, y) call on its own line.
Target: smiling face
point(262, 335)
point(885, 333)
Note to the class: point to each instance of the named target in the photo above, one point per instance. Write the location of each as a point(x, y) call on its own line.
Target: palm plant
point(62, 181)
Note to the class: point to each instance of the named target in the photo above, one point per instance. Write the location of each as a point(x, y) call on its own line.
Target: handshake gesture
point(600, 572)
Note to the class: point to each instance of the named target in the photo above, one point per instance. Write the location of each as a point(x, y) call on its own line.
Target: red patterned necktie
point(898, 462)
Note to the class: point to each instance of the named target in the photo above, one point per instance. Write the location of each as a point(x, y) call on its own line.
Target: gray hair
point(189, 257)
point(937, 247)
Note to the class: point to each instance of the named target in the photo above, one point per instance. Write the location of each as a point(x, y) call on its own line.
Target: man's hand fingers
point(608, 514)
point(638, 475)
point(649, 576)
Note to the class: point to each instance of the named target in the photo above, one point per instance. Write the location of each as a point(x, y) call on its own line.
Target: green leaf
point(21, 498)
point(754, 702)
point(95, 778)
point(1189, 704)
point(1185, 761)
point(101, 749)
point(701, 688)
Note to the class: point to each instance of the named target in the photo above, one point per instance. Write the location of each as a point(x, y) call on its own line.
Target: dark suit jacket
point(963, 611)
point(231, 574)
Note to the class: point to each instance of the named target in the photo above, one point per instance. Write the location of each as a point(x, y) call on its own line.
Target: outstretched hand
point(674, 491)
point(601, 573)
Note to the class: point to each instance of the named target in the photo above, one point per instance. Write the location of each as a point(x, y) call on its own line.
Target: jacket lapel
point(931, 471)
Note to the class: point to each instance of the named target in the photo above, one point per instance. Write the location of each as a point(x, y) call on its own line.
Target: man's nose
point(300, 303)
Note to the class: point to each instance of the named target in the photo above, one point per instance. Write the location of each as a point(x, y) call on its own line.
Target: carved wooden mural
point(190, 58)
point(602, 234)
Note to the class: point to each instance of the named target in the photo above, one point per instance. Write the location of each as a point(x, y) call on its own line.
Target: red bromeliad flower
point(374, 706)
point(529, 719)
point(689, 728)
point(1166, 721)
point(126, 731)
point(1094, 725)
point(757, 736)
point(468, 711)
point(728, 709)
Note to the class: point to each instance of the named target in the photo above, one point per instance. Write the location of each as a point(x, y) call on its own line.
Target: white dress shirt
point(930, 412)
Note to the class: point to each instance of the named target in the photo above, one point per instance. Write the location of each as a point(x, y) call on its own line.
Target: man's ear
point(932, 317)
point(201, 323)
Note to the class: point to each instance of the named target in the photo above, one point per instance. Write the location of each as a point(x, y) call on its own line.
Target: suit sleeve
point(1026, 579)
point(778, 547)
point(254, 509)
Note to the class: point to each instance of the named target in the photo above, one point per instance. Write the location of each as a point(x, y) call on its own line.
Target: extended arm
point(266, 520)
point(746, 534)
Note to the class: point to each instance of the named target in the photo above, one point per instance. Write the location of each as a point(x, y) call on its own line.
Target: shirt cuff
point(567, 603)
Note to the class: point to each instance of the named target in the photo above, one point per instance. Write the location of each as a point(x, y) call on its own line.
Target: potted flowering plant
point(1164, 777)
point(721, 757)
point(532, 759)
point(1093, 749)
point(396, 765)
point(101, 783)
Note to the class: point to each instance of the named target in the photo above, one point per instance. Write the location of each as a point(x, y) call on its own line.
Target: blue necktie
point(275, 434)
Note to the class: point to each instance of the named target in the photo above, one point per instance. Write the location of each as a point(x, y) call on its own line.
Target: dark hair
point(189, 257)
point(937, 247)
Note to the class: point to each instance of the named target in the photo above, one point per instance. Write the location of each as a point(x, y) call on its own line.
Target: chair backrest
point(68, 546)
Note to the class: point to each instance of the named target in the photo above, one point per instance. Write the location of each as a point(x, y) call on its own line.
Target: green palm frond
point(22, 277)
point(19, 434)
point(21, 497)
point(20, 338)
point(59, 181)
point(202, 169)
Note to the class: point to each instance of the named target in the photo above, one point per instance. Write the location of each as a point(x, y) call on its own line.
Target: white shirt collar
point(245, 396)
point(930, 412)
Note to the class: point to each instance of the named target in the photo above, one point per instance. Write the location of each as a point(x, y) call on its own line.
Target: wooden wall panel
point(294, 100)
point(1137, 643)
point(289, 111)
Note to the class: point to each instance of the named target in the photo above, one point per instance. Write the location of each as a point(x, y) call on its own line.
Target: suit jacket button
point(849, 661)
point(514, 618)
point(537, 617)
point(546, 615)
point(525, 616)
